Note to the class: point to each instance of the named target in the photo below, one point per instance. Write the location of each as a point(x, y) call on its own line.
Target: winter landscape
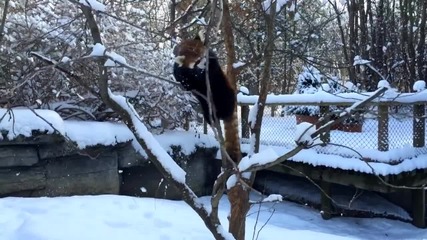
point(220, 119)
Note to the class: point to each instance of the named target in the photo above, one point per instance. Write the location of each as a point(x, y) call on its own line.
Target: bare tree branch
point(3, 20)
point(212, 222)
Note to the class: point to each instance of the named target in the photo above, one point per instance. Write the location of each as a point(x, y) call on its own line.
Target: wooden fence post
point(418, 130)
point(419, 195)
point(244, 115)
point(326, 136)
point(325, 200)
point(273, 110)
point(419, 207)
point(383, 127)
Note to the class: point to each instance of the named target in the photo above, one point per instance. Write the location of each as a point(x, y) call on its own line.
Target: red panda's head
point(189, 52)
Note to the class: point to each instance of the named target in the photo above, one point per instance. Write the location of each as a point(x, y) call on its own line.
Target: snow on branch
point(93, 4)
point(142, 132)
point(303, 133)
point(99, 50)
point(115, 60)
point(272, 198)
point(260, 158)
point(266, 5)
point(358, 60)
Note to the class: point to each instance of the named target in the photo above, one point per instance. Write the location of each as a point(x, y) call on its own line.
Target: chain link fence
point(378, 128)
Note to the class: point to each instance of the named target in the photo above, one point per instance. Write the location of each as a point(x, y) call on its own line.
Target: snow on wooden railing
point(382, 106)
point(325, 98)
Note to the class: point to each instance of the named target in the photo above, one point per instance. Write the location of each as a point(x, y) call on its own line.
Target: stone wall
point(49, 165)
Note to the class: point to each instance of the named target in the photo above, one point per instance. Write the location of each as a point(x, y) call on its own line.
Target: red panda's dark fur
point(193, 78)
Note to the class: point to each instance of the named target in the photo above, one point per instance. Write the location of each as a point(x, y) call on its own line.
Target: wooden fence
point(383, 110)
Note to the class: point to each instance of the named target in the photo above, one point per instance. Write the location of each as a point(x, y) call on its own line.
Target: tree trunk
point(411, 46)
point(422, 75)
point(347, 56)
point(237, 195)
point(352, 36)
point(265, 75)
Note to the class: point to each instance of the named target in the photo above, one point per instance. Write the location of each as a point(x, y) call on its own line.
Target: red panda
point(189, 69)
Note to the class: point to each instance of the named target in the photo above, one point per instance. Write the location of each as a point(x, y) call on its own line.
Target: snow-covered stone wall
point(43, 155)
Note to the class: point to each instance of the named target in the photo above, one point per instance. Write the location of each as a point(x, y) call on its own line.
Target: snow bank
point(119, 217)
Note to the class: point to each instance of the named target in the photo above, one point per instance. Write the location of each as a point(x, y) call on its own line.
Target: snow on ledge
point(312, 157)
point(23, 122)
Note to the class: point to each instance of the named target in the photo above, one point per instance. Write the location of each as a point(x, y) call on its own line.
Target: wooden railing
point(382, 106)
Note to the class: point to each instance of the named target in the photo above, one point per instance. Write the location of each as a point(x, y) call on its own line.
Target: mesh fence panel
point(348, 139)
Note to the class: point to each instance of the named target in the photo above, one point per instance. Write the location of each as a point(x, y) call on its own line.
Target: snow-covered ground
point(119, 217)
point(110, 217)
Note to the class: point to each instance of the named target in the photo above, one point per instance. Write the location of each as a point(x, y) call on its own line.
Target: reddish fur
point(193, 50)
point(232, 139)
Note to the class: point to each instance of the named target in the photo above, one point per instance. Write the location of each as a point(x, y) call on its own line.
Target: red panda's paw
point(180, 60)
point(202, 63)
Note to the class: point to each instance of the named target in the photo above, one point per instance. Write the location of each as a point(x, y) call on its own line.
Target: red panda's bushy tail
point(232, 139)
